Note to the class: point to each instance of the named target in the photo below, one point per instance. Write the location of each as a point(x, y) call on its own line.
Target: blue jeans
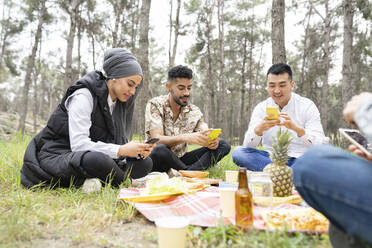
point(253, 159)
point(339, 185)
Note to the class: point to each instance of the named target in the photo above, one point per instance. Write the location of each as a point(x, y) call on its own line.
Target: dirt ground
point(139, 233)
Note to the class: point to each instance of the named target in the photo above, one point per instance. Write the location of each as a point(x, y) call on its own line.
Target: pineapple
point(280, 173)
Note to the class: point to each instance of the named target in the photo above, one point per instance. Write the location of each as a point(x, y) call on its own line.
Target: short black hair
point(179, 71)
point(280, 68)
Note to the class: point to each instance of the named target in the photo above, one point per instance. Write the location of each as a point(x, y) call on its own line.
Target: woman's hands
point(135, 149)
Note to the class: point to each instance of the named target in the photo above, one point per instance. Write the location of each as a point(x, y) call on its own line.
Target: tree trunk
point(73, 13)
point(326, 65)
point(242, 93)
point(143, 56)
point(91, 35)
point(170, 34)
point(36, 90)
point(305, 86)
point(118, 10)
point(347, 82)
point(30, 66)
point(79, 26)
point(134, 31)
point(212, 94)
point(250, 73)
point(277, 32)
point(176, 34)
point(2, 37)
point(220, 99)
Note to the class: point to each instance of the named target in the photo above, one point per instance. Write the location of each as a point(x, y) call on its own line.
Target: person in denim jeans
point(338, 183)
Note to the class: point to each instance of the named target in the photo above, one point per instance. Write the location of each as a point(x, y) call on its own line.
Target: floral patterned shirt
point(159, 115)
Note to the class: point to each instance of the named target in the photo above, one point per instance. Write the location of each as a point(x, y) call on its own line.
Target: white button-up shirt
point(302, 111)
point(80, 106)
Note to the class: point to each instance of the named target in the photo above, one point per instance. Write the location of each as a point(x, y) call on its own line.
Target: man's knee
point(224, 147)
point(237, 154)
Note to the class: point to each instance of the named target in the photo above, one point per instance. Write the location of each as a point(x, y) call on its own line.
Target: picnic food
point(243, 201)
point(280, 174)
point(265, 201)
point(198, 174)
point(208, 181)
point(163, 184)
point(296, 219)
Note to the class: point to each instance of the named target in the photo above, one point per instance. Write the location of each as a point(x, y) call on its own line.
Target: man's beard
point(177, 99)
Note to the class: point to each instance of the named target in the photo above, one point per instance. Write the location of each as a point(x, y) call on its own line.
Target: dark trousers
point(199, 159)
point(99, 165)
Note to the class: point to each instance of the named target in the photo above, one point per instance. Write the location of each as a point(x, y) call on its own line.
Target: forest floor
point(71, 218)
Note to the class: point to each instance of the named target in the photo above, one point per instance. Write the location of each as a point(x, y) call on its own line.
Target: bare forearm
point(169, 141)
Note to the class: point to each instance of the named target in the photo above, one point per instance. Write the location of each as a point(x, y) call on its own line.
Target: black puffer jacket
point(48, 159)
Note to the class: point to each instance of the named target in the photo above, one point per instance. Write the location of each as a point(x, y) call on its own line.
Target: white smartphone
point(355, 137)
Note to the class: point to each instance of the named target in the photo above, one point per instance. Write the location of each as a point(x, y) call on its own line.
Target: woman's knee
point(140, 168)
point(96, 159)
point(147, 165)
point(160, 151)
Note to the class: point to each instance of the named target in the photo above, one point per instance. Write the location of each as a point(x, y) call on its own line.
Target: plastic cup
point(172, 231)
point(227, 201)
point(231, 176)
point(261, 185)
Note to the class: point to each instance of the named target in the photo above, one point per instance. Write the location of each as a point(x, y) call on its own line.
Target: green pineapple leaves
point(281, 143)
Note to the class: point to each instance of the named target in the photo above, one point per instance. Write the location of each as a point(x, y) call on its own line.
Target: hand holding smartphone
point(272, 113)
point(149, 141)
point(152, 140)
point(354, 136)
point(214, 134)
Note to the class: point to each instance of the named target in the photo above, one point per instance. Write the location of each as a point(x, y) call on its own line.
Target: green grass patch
point(70, 218)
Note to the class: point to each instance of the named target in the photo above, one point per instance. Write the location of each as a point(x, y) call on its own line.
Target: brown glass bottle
point(243, 201)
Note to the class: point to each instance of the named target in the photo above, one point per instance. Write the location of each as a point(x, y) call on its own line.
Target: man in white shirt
point(296, 113)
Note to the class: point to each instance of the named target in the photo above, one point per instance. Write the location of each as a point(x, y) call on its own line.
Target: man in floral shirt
point(177, 123)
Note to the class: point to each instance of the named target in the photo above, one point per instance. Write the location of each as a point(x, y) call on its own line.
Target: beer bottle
point(243, 201)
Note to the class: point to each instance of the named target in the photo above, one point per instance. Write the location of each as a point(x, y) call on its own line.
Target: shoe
point(91, 185)
point(173, 173)
point(138, 182)
point(340, 239)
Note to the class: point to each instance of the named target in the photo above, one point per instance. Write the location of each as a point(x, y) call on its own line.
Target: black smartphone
point(152, 141)
point(354, 136)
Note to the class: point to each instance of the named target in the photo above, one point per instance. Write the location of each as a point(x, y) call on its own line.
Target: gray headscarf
point(119, 63)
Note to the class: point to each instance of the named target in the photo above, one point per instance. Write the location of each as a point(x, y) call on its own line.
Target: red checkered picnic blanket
point(201, 208)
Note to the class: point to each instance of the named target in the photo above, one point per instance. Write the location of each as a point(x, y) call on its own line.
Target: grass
point(70, 218)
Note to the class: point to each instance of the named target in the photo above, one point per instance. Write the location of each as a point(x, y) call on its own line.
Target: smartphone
point(355, 137)
point(214, 134)
point(152, 141)
point(273, 111)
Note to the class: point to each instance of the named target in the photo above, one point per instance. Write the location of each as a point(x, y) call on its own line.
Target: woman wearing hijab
point(87, 135)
